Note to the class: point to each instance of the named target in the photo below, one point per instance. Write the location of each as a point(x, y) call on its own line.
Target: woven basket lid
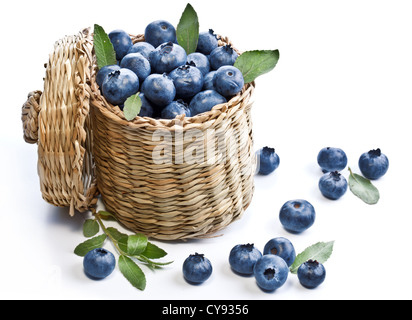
point(57, 119)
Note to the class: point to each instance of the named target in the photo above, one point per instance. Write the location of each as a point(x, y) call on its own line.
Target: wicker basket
point(86, 147)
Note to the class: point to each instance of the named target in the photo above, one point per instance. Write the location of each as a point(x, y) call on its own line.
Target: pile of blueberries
point(171, 82)
point(333, 185)
point(270, 269)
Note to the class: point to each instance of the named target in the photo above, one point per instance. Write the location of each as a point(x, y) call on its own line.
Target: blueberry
point(297, 216)
point(222, 56)
point(99, 264)
point(103, 72)
point(228, 81)
point(159, 89)
point(144, 48)
point(174, 109)
point(167, 57)
point(207, 42)
point(120, 85)
point(333, 185)
point(204, 101)
point(271, 272)
point(209, 83)
point(147, 108)
point(373, 164)
point(159, 32)
point(138, 64)
point(281, 247)
point(311, 274)
point(188, 81)
point(197, 269)
point(243, 258)
point(121, 43)
point(200, 61)
point(268, 160)
point(332, 159)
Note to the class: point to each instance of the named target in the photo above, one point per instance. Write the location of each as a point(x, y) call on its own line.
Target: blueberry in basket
point(207, 42)
point(137, 63)
point(200, 61)
point(228, 81)
point(144, 48)
point(159, 89)
point(205, 101)
point(167, 57)
point(159, 32)
point(188, 81)
point(103, 72)
point(222, 56)
point(120, 85)
point(175, 109)
point(209, 83)
point(121, 43)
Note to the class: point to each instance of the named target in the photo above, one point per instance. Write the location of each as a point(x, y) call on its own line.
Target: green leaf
point(153, 252)
point(90, 228)
point(115, 234)
point(133, 245)
point(132, 272)
point(106, 215)
point(132, 107)
point(91, 244)
point(320, 252)
point(122, 243)
point(103, 48)
point(253, 64)
point(363, 188)
point(187, 31)
point(136, 244)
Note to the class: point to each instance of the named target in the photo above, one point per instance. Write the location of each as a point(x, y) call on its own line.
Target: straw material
point(58, 121)
point(174, 200)
point(87, 147)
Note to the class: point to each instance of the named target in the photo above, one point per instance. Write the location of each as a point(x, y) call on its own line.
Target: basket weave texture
point(166, 201)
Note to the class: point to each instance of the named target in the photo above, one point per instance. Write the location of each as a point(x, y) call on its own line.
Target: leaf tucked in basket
point(187, 31)
point(132, 107)
point(105, 54)
point(253, 64)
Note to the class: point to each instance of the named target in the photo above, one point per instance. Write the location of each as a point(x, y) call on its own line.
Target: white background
point(343, 80)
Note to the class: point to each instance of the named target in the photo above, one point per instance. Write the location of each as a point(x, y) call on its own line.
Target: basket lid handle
point(30, 116)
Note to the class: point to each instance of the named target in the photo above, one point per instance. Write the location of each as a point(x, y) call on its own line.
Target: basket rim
point(149, 123)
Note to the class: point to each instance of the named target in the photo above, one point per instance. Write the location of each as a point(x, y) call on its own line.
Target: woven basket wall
point(166, 201)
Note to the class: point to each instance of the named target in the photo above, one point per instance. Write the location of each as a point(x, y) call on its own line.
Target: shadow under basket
point(175, 179)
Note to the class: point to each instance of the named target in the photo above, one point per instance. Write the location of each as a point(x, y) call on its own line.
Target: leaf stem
point(120, 251)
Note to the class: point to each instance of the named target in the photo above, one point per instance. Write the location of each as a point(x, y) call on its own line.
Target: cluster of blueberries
point(171, 82)
point(333, 185)
point(270, 269)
